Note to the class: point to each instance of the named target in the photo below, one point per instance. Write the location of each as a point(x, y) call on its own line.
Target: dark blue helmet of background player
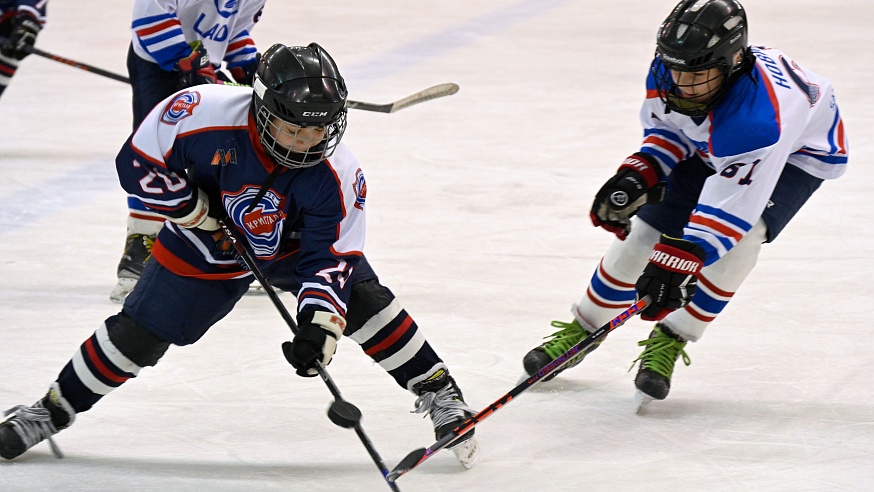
point(302, 86)
point(699, 35)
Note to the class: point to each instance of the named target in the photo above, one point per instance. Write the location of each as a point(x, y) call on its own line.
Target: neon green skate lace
point(569, 335)
point(661, 353)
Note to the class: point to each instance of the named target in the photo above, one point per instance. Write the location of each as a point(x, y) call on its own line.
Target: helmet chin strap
point(685, 104)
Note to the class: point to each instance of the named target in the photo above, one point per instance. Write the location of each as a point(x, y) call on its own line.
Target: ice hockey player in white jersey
point(736, 139)
point(271, 163)
point(177, 44)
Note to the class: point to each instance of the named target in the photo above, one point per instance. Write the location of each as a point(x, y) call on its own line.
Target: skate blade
point(122, 289)
point(467, 452)
point(255, 289)
point(641, 399)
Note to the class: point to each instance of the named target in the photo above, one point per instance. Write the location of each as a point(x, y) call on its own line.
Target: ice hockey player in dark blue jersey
point(271, 163)
point(740, 136)
point(20, 23)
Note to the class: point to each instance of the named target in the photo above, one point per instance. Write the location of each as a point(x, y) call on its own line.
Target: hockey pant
point(165, 309)
point(611, 288)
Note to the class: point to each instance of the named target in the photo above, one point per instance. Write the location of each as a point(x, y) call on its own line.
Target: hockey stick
point(72, 63)
point(341, 412)
point(440, 90)
point(418, 456)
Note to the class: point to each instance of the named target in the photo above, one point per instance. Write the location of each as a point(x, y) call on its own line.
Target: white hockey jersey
point(779, 114)
point(162, 30)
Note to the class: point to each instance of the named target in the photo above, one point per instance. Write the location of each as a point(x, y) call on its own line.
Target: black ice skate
point(28, 426)
point(568, 335)
point(441, 398)
point(653, 380)
point(137, 250)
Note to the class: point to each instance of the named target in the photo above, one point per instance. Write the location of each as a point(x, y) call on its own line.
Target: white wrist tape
point(199, 217)
point(333, 324)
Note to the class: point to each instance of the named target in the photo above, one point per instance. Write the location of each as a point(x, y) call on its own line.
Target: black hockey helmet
point(302, 86)
point(699, 35)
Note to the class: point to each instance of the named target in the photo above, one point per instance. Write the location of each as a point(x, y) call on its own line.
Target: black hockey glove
point(195, 69)
point(246, 74)
point(636, 183)
point(671, 276)
point(22, 36)
point(316, 340)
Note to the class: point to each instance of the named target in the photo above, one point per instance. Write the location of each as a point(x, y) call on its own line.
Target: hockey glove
point(196, 214)
point(316, 340)
point(246, 74)
point(22, 35)
point(195, 68)
point(636, 183)
point(671, 276)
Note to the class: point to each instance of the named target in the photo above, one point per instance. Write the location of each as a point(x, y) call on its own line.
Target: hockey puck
point(344, 414)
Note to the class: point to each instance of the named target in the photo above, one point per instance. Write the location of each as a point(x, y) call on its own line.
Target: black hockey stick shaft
point(323, 373)
point(73, 63)
point(440, 90)
point(418, 456)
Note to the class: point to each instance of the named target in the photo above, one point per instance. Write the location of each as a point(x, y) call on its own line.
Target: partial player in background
point(178, 44)
point(272, 161)
point(736, 139)
point(20, 23)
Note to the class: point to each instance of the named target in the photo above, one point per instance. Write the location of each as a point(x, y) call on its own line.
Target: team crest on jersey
point(262, 224)
point(809, 89)
point(226, 8)
point(360, 188)
point(224, 157)
point(181, 107)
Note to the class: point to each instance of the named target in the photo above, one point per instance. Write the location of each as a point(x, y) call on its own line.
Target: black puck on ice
point(344, 414)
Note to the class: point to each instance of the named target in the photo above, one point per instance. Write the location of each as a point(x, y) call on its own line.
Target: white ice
point(478, 208)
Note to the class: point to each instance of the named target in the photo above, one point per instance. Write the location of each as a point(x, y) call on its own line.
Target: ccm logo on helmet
point(315, 113)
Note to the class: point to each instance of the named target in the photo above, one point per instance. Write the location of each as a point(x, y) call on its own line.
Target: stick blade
point(439, 90)
point(409, 462)
point(434, 92)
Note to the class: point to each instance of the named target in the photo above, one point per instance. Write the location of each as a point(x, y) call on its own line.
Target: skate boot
point(663, 348)
point(561, 341)
point(137, 250)
point(441, 398)
point(27, 426)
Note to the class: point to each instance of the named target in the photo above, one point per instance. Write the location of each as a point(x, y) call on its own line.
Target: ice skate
point(441, 398)
point(641, 400)
point(653, 380)
point(27, 426)
point(137, 250)
point(568, 335)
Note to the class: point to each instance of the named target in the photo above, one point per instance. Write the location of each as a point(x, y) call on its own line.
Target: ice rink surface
point(478, 220)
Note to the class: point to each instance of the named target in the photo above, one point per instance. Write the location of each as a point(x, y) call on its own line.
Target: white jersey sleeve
point(162, 30)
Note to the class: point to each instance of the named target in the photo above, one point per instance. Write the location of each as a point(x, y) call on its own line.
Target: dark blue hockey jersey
point(205, 138)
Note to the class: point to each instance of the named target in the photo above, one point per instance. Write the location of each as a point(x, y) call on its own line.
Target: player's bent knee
point(135, 342)
point(367, 299)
